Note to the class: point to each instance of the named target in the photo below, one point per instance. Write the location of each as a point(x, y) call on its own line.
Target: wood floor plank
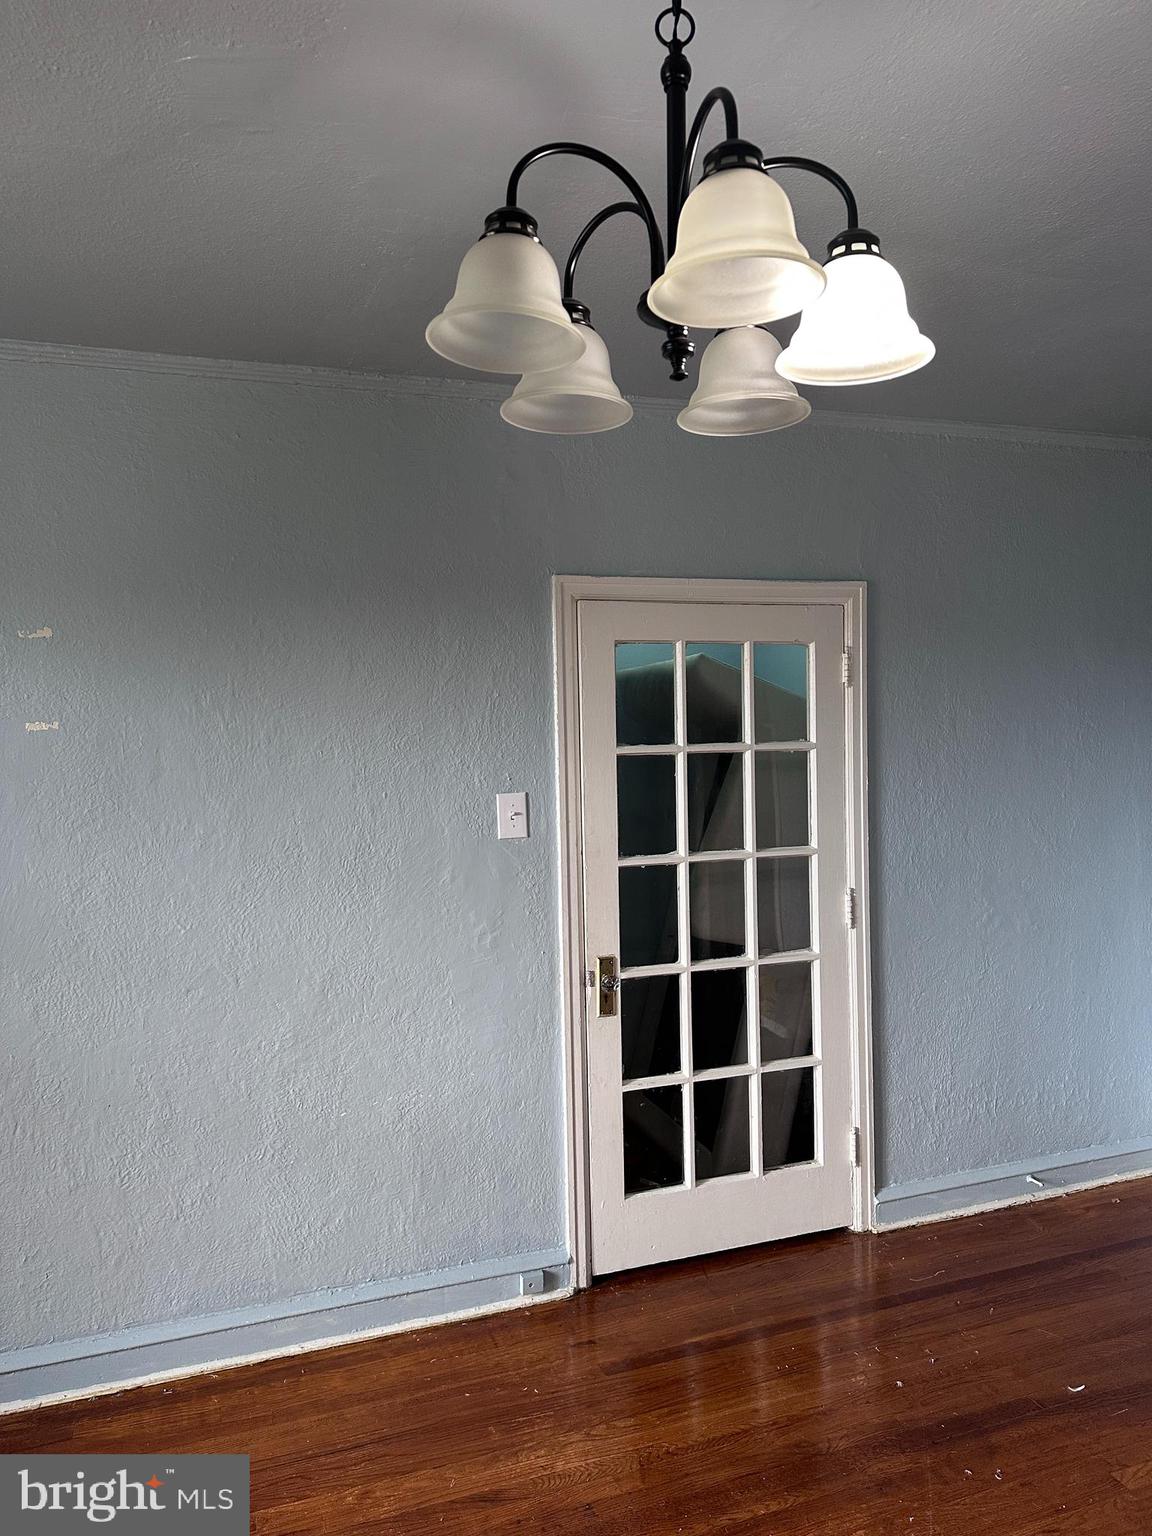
point(984, 1377)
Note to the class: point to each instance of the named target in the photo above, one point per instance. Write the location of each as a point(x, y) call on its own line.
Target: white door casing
point(748, 1170)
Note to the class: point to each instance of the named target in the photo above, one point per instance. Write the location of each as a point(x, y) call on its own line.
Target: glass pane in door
point(650, 1026)
point(649, 925)
point(721, 1110)
point(782, 799)
point(716, 909)
point(780, 692)
point(645, 694)
point(785, 998)
point(788, 1121)
point(646, 805)
point(715, 801)
point(783, 911)
point(653, 1138)
point(719, 1019)
point(714, 691)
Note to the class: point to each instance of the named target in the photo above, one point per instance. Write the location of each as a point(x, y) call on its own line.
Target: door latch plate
point(607, 983)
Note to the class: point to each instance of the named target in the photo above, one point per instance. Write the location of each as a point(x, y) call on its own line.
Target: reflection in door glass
point(785, 1011)
point(713, 691)
point(646, 805)
point(721, 1109)
point(648, 917)
point(782, 905)
point(650, 1026)
point(719, 1019)
point(653, 1138)
point(645, 695)
point(780, 692)
point(715, 801)
point(782, 799)
point(789, 1117)
point(716, 909)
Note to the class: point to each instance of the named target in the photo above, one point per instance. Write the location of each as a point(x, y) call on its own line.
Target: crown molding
point(237, 371)
point(45, 353)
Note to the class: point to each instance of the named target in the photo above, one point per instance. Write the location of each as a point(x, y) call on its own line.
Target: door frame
point(567, 593)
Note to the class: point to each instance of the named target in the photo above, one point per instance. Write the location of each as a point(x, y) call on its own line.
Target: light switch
point(512, 814)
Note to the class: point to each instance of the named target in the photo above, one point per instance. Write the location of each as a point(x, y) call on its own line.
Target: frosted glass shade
point(506, 315)
point(737, 259)
point(858, 330)
point(580, 397)
point(740, 392)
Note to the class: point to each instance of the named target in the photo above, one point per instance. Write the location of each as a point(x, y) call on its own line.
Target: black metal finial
point(679, 349)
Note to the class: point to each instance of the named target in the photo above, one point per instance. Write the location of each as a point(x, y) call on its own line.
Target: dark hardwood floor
point(991, 1375)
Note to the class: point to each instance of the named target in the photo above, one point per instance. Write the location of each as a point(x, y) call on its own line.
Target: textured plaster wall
point(280, 1013)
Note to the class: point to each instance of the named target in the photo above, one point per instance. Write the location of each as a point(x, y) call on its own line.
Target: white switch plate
point(512, 814)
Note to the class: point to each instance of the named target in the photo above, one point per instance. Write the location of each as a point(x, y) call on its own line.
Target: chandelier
point(734, 264)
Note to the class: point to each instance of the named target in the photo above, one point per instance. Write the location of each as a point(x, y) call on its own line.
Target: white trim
point(41, 353)
point(87, 1367)
point(567, 593)
point(309, 1347)
point(856, 703)
point(988, 1189)
point(568, 831)
point(691, 589)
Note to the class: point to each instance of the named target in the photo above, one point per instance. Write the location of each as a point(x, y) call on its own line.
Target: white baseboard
point(73, 1368)
point(904, 1205)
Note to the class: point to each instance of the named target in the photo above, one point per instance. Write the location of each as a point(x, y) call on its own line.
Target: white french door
point(715, 871)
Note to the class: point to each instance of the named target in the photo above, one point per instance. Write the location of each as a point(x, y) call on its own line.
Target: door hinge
point(855, 1146)
point(847, 666)
point(850, 906)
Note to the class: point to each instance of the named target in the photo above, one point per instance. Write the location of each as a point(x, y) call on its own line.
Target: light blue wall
point(280, 1013)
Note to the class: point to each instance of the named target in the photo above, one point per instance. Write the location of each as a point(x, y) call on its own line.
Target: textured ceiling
point(285, 181)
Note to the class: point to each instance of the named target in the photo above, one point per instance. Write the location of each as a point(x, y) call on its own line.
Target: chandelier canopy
point(733, 264)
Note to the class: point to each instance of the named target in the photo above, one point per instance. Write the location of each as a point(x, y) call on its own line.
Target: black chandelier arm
point(798, 163)
point(586, 234)
point(588, 152)
point(720, 95)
